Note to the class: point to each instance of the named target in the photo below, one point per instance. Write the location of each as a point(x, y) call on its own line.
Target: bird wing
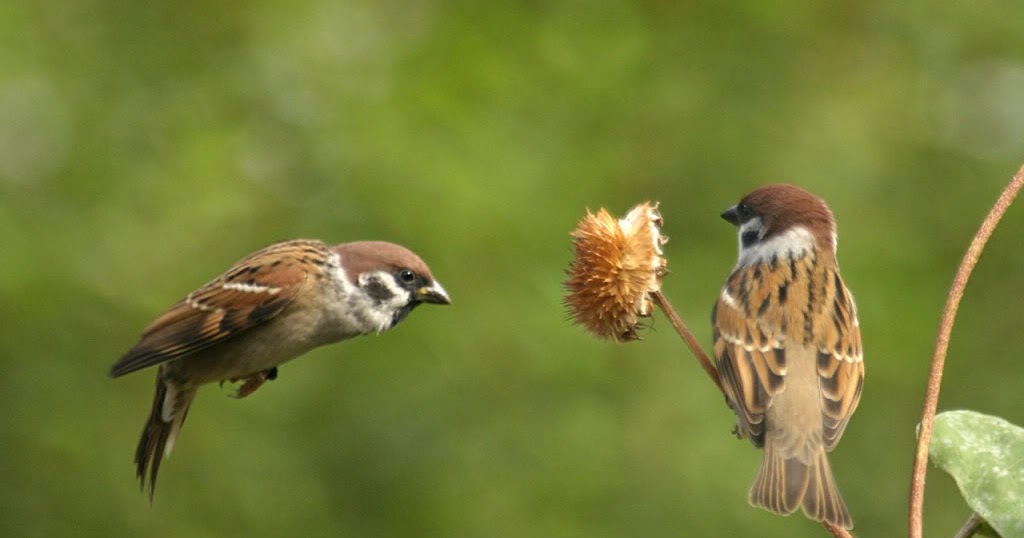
point(751, 360)
point(840, 359)
point(752, 329)
point(248, 294)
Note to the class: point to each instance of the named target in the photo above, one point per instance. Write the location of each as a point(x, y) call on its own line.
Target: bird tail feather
point(170, 407)
point(785, 483)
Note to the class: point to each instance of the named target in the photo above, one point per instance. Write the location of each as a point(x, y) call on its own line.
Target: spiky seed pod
point(617, 264)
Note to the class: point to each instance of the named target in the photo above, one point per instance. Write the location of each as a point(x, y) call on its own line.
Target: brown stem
point(931, 395)
point(971, 527)
point(838, 532)
point(684, 332)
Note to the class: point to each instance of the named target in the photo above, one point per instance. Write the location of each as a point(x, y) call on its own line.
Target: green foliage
point(145, 146)
point(984, 454)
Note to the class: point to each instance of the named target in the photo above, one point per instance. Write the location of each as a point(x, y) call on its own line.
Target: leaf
point(985, 455)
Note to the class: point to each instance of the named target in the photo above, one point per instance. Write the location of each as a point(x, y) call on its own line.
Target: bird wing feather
point(248, 294)
point(751, 337)
point(751, 364)
point(840, 363)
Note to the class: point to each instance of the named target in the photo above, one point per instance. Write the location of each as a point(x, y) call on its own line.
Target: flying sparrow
point(788, 350)
point(270, 307)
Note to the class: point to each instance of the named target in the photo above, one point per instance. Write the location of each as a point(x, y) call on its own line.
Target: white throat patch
point(794, 243)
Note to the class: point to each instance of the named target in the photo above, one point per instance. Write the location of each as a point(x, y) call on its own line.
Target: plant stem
point(687, 336)
point(972, 526)
point(931, 395)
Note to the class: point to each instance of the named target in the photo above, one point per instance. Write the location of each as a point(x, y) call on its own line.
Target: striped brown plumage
point(268, 308)
point(788, 348)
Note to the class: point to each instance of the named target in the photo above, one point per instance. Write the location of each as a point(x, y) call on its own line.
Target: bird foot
point(253, 382)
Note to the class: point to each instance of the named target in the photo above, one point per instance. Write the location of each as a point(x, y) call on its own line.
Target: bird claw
point(253, 382)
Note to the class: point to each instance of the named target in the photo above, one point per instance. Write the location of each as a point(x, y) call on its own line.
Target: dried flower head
point(617, 265)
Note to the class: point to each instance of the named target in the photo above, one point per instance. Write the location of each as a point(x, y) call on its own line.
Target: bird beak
point(433, 294)
point(732, 216)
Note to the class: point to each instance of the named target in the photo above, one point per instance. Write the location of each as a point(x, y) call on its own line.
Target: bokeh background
point(145, 146)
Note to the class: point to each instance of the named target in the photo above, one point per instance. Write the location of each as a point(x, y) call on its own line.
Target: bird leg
point(254, 382)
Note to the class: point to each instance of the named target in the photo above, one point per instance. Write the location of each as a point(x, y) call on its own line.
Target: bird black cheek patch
point(378, 291)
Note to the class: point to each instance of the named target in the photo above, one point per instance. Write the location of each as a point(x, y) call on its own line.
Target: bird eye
point(407, 276)
point(744, 211)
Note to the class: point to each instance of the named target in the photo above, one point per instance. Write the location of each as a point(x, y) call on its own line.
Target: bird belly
point(258, 349)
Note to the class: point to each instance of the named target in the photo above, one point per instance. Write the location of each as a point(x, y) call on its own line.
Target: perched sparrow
point(269, 308)
point(787, 345)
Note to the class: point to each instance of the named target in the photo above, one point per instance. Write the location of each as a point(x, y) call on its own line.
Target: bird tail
point(785, 483)
point(170, 407)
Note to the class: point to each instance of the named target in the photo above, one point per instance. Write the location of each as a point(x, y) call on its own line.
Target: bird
point(787, 346)
point(268, 308)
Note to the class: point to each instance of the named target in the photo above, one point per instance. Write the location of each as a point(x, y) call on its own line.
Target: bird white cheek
point(381, 299)
point(353, 308)
point(347, 310)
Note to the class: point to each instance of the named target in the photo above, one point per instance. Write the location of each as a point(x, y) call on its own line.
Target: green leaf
point(985, 455)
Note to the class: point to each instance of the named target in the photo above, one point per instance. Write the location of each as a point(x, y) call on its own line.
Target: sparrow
point(272, 306)
point(788, 350)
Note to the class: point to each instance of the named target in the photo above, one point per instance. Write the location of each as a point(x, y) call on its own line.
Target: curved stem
point(931, 395)
point(684, 332)
point(972, 526)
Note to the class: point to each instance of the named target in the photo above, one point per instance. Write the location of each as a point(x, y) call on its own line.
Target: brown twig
point(971, 527)
point(931, 395)
point(684, 332)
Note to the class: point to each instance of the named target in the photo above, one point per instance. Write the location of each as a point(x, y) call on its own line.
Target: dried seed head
point(617, 264)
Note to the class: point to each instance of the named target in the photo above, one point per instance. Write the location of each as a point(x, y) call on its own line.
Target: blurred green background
point(146, 146)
